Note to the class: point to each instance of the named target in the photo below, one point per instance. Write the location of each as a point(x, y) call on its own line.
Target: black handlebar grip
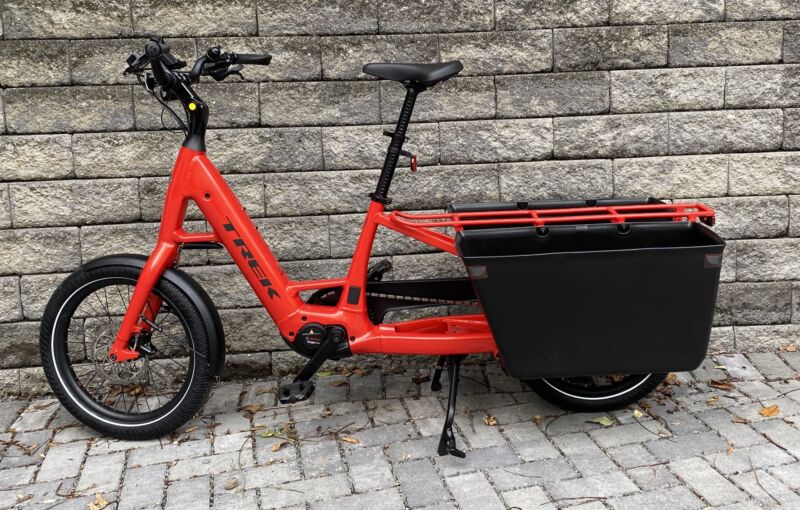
point(254, 59)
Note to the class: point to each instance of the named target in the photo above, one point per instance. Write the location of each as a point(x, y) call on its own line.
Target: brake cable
point(166, 107)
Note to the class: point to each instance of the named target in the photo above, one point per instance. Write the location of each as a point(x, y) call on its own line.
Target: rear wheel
point(596, 393)
point(139, 399)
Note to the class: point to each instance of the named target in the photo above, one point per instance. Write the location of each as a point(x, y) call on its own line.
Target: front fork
point(144, 306)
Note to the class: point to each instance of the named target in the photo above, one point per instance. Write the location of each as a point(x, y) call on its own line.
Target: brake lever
point(222, 73)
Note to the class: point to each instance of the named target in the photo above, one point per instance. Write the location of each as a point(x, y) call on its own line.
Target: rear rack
point(690, 211)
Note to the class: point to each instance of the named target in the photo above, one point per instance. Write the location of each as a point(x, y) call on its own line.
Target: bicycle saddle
point(427, 74)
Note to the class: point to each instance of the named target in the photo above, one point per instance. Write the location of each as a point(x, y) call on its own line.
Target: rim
point(597, 387)
point(132, 393)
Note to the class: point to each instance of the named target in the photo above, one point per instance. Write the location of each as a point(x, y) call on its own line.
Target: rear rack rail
point(690, 211)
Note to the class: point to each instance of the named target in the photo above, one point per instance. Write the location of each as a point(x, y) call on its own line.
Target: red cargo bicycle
point(570, 291)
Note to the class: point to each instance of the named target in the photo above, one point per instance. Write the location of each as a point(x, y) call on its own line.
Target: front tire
point(593, 394)
point(141, 399)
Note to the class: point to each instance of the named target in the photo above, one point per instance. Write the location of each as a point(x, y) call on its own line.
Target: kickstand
point(447, 444)
point(436, 381)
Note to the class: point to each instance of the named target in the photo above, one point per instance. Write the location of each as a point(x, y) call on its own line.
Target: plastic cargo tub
point(596, 299)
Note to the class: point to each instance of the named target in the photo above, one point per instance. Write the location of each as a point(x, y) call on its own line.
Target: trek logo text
point(251, 261)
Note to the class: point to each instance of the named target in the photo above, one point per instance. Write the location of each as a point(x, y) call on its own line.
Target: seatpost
point(396, 145)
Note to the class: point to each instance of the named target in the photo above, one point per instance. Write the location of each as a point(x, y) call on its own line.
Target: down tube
point(237, 232)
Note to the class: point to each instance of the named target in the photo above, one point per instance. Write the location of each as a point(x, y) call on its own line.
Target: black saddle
point(426, 74)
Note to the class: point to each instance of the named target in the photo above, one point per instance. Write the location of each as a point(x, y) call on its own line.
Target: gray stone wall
point(559, 98)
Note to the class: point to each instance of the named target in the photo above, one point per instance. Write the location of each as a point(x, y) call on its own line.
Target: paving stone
point(101, 473)
point(738, 366)
point(788, 474)
point(367, 387)
point(531, 473)
point(16, 477)
point(674, 497)
point(62, 461)
point(157, 454)
point(627, 434)
point(369, 469)
point(738, 434)
point(706, 482)
point(386, 499)
point(25, 449)
point(233, 442)
point(770, 365)
point(603, 486)
point(420, 482)
point(782, 434)
point(682, 447)
point(651, 477)
point(760, 456)
point(767, 489)
point(143, 487)
point(584, 454)
point(321, 458)
point(270, 475)
point(528, 498)
point(472, 491)
point(387, 412)
point(191, 493)
point(237, 500)
point(384, 434)
point(292, 493)
point(211, 465)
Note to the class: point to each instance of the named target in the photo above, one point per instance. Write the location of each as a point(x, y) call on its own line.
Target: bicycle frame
point(195, 178)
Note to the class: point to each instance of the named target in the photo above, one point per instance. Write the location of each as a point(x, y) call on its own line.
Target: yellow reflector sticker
point(192, 106)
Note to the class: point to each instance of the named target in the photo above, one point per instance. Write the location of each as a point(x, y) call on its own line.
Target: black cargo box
point(596, 299)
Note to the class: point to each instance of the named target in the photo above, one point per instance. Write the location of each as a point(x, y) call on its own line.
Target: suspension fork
point(144, 305)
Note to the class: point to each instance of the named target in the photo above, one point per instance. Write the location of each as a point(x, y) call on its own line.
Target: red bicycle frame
point(195, 178)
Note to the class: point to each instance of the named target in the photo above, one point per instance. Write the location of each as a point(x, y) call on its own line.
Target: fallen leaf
point(712, 399)
point(290, 431)
point(671, 379)
point(350, 440)
point(637, 414)
point(419, 378)
point(99, 502)
point(730, 449)
point(769, 412)
point(190, 429)
point(602, 420)
point(231, 484)
point(324, 373)
point(253, 408)
point(721, 367)
point(617, 377)
point(360, 372)
point(341, 382)
point(405, 456)
point(791, 348)
point(269, 433)
point(277, 446)
point(490, 420)
point(265, 389)
point(739, 419)
point(721, 385)
point(538, 420)
point(326, 411)
point(397, 370)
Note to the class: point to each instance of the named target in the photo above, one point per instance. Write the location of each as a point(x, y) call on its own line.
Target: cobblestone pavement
point(368, 440)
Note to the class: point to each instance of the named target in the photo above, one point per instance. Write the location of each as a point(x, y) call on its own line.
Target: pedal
point(295, 392)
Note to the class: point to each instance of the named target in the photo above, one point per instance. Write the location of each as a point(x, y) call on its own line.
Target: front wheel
point(596, 393)
point(138, 399)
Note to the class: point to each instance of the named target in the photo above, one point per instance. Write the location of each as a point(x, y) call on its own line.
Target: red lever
point(413, 162)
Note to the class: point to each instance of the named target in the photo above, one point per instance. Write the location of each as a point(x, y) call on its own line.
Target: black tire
point(587, 395)
point(158, 413)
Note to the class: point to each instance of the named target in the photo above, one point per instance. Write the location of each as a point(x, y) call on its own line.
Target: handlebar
point(215, 63)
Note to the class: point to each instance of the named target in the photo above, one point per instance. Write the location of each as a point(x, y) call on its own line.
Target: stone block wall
point(682, 99)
